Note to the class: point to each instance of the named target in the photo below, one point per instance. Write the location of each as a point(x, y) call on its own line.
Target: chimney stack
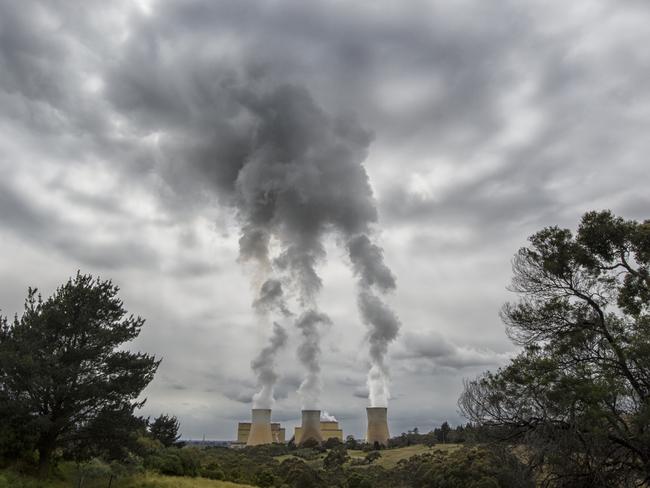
point(377, 425)
point(311, 426)
point(260, 427)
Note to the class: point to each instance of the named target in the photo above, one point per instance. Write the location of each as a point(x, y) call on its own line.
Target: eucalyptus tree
point(578, 394)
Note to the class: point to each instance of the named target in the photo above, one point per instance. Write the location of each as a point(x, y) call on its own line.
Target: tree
point(351, 442)
point(442, 434)
point(579, 392)
point(61, 369)
point(165, 429)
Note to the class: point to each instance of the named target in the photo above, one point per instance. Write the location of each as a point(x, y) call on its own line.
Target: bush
point(265, 478)
point(464, 468)
point(336, 458)
point(372, 456)
point(351, 443)
point(298, 474)
point(175, 462)
point(332, 443)
point(306, 453)
point(358, 480)
point(310, 444)
point(212, 471)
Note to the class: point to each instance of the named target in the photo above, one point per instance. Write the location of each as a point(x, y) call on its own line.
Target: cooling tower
point(260, 428)
point(377, 425)
point(311, 426)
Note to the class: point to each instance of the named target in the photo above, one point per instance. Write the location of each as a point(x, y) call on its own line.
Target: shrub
point(372, 456)
point(175, 462)
point(336, 458)
point(212, 471)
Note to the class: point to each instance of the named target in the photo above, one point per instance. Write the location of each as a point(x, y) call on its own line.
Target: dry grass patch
point(390, 457)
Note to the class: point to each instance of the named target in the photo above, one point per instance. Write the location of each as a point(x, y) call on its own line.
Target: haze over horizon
point(477, 124)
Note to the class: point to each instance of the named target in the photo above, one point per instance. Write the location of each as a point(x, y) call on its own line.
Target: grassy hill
point(10, 479)
point(390, 457)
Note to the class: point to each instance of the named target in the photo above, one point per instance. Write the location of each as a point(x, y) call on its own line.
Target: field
point(390, 457)
point(12, 480)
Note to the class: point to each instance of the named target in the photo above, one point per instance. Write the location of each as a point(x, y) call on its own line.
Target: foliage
point(442, 434)
point(336, 458)
point(372, 456)
point(578, 395)
point(177, 462)
point(351, 443)
point(212, 471)
point(332, 443)
point(464, 468)
point(61, 372)
point(164, 428)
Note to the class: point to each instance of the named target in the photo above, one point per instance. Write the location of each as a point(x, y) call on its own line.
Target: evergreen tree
point(165, 429)
point(62, 369)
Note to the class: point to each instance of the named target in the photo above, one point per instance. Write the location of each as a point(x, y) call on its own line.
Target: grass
point(9, 479)
point(390, 457)
point(158, 481)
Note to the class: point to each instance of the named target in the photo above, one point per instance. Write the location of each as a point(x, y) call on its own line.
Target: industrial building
point(329, 429)
point(262, 431)
point(244, 430)
point(377, 426)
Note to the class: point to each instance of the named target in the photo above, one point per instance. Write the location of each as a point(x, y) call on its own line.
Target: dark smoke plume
point(271, 299)
point(292, 172)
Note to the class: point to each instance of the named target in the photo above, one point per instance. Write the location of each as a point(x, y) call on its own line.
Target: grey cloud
point(361, 392)
point(238, 395)
point(44, 227)
point(441, 352)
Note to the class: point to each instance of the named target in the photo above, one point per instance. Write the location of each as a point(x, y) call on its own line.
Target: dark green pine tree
point(62, 368)
point(165, 429)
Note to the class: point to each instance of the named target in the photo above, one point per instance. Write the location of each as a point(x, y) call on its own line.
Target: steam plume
point(309, 356)
point(326, 417)
point(375, 277)
point(264, 368)
point(270, 300)
point(291, 172)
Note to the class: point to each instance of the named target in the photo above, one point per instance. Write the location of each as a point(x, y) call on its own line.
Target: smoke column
point(264, 368)
point(309, 356)
point(301, 176)
point(374, 278)
point(291, 172)
point(270, 299)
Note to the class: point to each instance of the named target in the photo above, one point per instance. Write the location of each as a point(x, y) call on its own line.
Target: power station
point(262, 431)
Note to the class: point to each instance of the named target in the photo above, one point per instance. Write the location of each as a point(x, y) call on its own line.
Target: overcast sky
point(478, 123)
